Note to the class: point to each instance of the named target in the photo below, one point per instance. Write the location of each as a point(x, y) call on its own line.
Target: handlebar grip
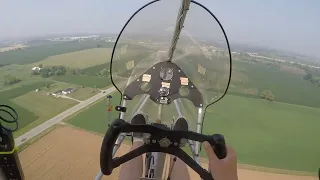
point(219, 144)
point(106, 153)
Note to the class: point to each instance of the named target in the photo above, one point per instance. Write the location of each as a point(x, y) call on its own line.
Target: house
point(57, 93)
point(68, 91)
point(36, 69)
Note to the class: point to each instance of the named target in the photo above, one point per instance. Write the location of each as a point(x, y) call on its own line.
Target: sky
point(282, 24)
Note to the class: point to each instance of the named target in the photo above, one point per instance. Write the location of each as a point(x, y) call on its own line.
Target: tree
point(308, 76)
point(35, 72)
point(45, 72)
point(40, 66)
point(104, 73)
point(9, 80)
point(267, 95)
point(99, 45)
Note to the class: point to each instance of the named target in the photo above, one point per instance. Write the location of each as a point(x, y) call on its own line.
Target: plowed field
point(71, 154)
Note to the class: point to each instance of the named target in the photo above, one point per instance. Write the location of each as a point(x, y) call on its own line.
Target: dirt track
point(68, 154)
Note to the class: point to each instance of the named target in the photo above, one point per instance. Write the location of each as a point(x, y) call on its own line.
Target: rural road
point(42, 127)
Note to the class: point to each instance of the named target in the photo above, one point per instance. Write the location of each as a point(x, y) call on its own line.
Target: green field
point(80, 59)
point(40, 52)
point(287, 87)
point(95, 117)
point(84, 80)
point(267, 134)
point(26, 116)
point(81, 93)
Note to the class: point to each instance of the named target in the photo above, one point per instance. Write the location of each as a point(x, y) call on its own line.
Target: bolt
point(175, 144)
point(154, 141)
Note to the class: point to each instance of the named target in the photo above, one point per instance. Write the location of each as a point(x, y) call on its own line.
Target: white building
point(68, 91)
point(37, 69)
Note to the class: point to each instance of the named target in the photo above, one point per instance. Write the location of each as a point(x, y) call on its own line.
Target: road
point(42, 127)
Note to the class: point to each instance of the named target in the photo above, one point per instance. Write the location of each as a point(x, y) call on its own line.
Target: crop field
point(86, 81)
point(80, 59)
point(264, 133)
point(44, 106)
point(81, 93)
point(22, 72)
point(71, 154)
point(6, 97)
point(95, 117)
point(39, 52)
point(287, 87)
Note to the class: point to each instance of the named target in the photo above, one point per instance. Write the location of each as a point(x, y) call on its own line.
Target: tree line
point(312, 75)
point(50, 71)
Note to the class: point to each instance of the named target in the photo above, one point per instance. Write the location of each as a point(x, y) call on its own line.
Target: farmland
point(261, 131)
point(80, 59)
point(37, 107)
point(265, 133)
point(26, 116)
point(39, 52)
point(48, 159)
point(83, 80)
point(287, 87)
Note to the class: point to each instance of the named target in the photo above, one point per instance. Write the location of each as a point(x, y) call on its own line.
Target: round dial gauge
point(164, 91)
point(166, 74)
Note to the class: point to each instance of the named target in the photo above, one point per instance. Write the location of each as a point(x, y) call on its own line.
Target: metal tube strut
point(178, 28)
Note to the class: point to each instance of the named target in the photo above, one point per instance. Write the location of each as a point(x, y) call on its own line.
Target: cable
point(6, 109)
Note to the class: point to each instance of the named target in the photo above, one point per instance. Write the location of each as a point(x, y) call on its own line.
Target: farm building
point(36, 69)
point(57, 93)
point(68, 91)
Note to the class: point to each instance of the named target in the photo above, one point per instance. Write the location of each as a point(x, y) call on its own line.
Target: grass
point(80, 93)
point(80, 59)
point(83, 93)
point(22, 72)
point(84, 80)
point(275, 135)
point(43, 106)
point(95, 117)
point(37, 53)
point(287, 87)
point(25, 116)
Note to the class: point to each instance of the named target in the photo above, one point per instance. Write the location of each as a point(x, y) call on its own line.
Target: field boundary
point(38, 137)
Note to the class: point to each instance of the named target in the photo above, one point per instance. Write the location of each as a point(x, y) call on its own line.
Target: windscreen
point(201, 53)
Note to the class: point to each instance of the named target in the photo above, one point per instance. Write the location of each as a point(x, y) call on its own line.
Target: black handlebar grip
point(219, 145)
point(109, 140)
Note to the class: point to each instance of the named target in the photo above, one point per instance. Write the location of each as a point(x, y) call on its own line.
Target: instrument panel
point(164, 82)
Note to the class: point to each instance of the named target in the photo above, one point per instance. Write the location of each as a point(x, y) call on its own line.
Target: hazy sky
point(286, 24)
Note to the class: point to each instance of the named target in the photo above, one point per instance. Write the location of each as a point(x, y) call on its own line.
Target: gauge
point(164, 91)
point(166, 74)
